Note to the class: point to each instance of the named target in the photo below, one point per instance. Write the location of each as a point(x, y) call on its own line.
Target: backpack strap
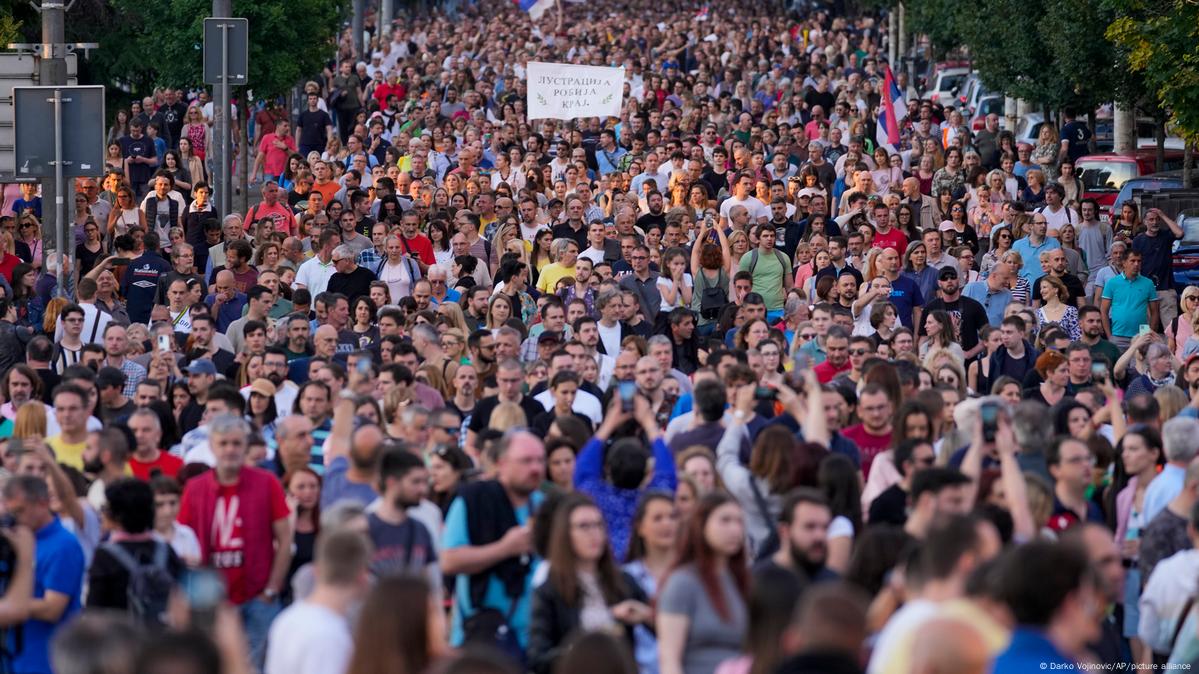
point(753, 260)
point(161, 555)
point(1182, 618)
point(760, 500)
point(122, 556)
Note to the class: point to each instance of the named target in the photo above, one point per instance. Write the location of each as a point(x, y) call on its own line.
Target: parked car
point(991, 103)
point(1186, 251)
point(972, 93)
point(1156, 182)
point(1027, 128)
point(1103, 175)
point(946, 84)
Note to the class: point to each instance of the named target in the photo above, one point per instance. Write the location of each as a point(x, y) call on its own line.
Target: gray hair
point(409, 414)
point(1180, 438)
point(507, 331)
point(426, 332)
point(1157, 350)
point(1030, 421)
point(149, 414)
point(229, 423)
point(341, 513)
point(558, 247)
point(96, 643)
point(344, 251)
point(659, 339)
point(232, 217)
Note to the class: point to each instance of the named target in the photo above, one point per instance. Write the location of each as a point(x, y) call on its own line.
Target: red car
point(1102, 175)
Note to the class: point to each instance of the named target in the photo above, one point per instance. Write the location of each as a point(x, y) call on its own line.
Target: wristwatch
point(739, 415)
point(269, 593)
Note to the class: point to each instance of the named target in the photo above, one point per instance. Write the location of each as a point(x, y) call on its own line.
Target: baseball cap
point(201, 366)
point(947, 272)
point(945, 226)
point(548, 336)
point(263, 387)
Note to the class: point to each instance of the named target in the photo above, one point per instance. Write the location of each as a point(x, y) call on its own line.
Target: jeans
point(256, 617)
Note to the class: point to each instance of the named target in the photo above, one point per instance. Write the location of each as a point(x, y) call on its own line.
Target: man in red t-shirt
point(416, 243)
point(240, 517)
point(272, 207)
point(836, 349)
point(886, 236)
point(873, 435)
point(147, 457)
point(273, 152)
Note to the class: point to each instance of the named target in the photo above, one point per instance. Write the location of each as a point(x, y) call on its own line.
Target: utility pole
point(386, 14)
point(52, 71)
point(356, 25)
point(221, 149)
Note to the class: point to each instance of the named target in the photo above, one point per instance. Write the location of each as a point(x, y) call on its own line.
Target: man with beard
point(803, 535)
point(488, 540)
point(968, 315)
point(1090, 319)
point(402, 544)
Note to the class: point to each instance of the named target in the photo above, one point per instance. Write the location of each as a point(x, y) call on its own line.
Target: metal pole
point(52, 71)
point(226, 151)
point(892, 37)
point(356, 25)
point(59, 204)
point(386, 13)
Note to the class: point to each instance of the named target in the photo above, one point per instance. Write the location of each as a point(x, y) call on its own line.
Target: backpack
point(753, 260)
point(711, 298)
point(149, 587)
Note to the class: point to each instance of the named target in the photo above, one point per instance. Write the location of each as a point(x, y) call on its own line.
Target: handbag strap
point(760, 500)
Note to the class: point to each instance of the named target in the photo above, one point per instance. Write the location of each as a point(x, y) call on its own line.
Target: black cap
point(549, 336)
point(947, 272)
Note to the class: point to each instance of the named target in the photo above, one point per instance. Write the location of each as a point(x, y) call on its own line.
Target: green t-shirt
point(768, 274)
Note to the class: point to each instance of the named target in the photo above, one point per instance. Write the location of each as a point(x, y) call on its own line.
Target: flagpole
point(559, 3)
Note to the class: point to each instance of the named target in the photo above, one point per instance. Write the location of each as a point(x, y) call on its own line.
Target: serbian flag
point(702, 14)
point(535, 8)
point(892, 112)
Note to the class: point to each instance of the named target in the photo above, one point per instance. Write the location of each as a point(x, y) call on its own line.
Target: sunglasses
point(858, 352)
point(808, 335)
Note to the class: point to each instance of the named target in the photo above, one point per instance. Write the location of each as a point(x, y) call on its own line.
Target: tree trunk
point(242, 194)
point(1091, 125)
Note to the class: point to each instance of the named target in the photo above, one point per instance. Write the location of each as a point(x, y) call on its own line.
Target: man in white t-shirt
point(743, 196)
point(1056, 214)
point(313, 635)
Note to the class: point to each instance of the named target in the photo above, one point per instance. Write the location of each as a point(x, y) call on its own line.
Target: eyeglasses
point(858, 352)
point(452, 430)
point(807, 335)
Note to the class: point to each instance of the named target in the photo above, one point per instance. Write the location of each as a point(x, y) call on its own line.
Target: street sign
point(82, 131)
point(19, 70)
point(226, 50)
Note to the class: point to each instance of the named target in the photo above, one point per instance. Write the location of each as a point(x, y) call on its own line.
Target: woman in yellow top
point(564, 252)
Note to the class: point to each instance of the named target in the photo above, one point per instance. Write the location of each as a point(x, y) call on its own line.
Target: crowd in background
point(719, 386)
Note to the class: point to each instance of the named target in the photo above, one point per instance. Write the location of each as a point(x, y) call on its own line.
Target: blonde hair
point(434, 378)
point(1170, 400)
point(452, 313)
point(507, 415)
point(30, 423)
point(938, 357)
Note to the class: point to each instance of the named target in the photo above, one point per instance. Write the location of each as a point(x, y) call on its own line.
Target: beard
point(93, 466)
point(810, 560)
point(404, 503)
point(275, 378)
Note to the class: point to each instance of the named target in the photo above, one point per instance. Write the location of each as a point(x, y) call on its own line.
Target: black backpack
point(711, 298)
point(149, 587)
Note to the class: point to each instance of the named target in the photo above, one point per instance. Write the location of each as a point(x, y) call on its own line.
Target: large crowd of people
point(720, 386)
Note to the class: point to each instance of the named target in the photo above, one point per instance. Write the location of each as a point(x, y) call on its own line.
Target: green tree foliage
point(148, 43)
point(10, 30)
point(1049, 51)
point(1159, 40)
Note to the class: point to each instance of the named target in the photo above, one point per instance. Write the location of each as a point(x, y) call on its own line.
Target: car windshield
point(990, 105)
point(1099, 175)
point(949, 81)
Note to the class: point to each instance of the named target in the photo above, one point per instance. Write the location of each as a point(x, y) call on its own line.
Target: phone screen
point(989, 414)
point(627, 390)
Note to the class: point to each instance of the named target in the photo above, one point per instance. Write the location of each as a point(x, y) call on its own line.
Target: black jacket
point(552, 622)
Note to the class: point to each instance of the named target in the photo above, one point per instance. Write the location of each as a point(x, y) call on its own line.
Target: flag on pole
point(892, 112)
point(535, 8)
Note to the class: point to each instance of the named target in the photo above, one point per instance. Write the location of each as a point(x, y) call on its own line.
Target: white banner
point(564, 91)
